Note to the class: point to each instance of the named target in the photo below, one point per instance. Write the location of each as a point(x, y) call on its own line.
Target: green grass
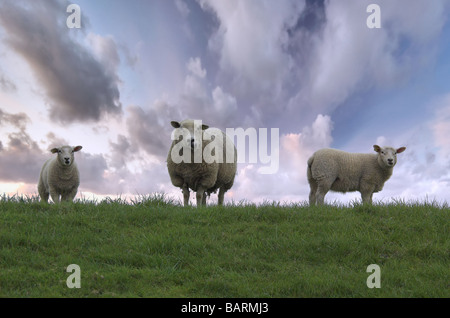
point(153, 247)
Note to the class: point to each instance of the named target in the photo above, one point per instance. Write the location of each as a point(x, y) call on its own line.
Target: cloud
point(290, 182)
point(79, 87)
point(249, 42)
point(120, 152)
point(195, 67)
point(348, 57)
point(106, 51)
point(224, 104)
point(6, 85)
point(249, 38)
point(21, 158)
point(150, 129)
point(182, 7)
point(420, 173)
point(95, 176)
point(299, 59)
point(441, 124)
point(19, 120)
point(55, 141)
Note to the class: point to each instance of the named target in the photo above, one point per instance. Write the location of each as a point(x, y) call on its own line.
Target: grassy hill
point(153, 247)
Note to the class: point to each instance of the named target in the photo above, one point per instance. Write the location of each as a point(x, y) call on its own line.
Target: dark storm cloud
point(150, 129)
point(121, 152)
point(79, 87)
point(21, 158)
point(92, 173)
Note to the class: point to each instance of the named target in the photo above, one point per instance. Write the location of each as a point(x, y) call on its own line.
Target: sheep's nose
point(390, 161)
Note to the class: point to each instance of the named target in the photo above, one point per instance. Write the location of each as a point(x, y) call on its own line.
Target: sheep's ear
point(401, 149)
point(77, 148)
point(204, 127)
point(175, 124)
point(54, 150)
point(376, 148)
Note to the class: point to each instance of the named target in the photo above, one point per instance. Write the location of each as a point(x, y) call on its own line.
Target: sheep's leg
point(322, 190)
point(312, 185)
point(366, 194)
point(69, 196)
point(221, 196)
point(54, 195)
point(185, 190)
point(200, 195)
point(312, 192)
point(44, 195)
point(204, 199)
point(42, 192)
point(366, 197)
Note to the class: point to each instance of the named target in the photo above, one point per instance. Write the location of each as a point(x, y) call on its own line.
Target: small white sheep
point(209, 160)
point(59, 175)
point(340, 171)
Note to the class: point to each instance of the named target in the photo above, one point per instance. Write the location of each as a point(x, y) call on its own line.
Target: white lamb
point(209, 161)
point(59, 176)
point(340, 171)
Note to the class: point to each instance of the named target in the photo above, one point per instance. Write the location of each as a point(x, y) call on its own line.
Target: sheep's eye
point(59, 151)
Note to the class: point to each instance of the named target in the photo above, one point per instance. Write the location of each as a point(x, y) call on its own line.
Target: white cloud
point(224, 103)
point(288, 59)
point(195, 67)
point(423, 170)
point(290, 182)
point(249, 40)
point(105, 50)
point(348, 57)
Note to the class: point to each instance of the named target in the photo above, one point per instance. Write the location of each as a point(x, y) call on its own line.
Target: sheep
point(209, 160)
point(340, 171)
point(59, 176)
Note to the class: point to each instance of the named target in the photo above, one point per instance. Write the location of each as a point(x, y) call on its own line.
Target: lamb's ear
point(376, 148)
point(401, 149)
point(77, 148)
point(54, 150)
point(175, 124)
point(204, 127)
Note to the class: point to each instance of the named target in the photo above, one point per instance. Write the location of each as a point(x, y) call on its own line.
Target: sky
point(312, 70)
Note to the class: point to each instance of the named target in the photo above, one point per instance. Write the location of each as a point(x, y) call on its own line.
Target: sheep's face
point(387, 156)
point(65, 154)
point(192, 132)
